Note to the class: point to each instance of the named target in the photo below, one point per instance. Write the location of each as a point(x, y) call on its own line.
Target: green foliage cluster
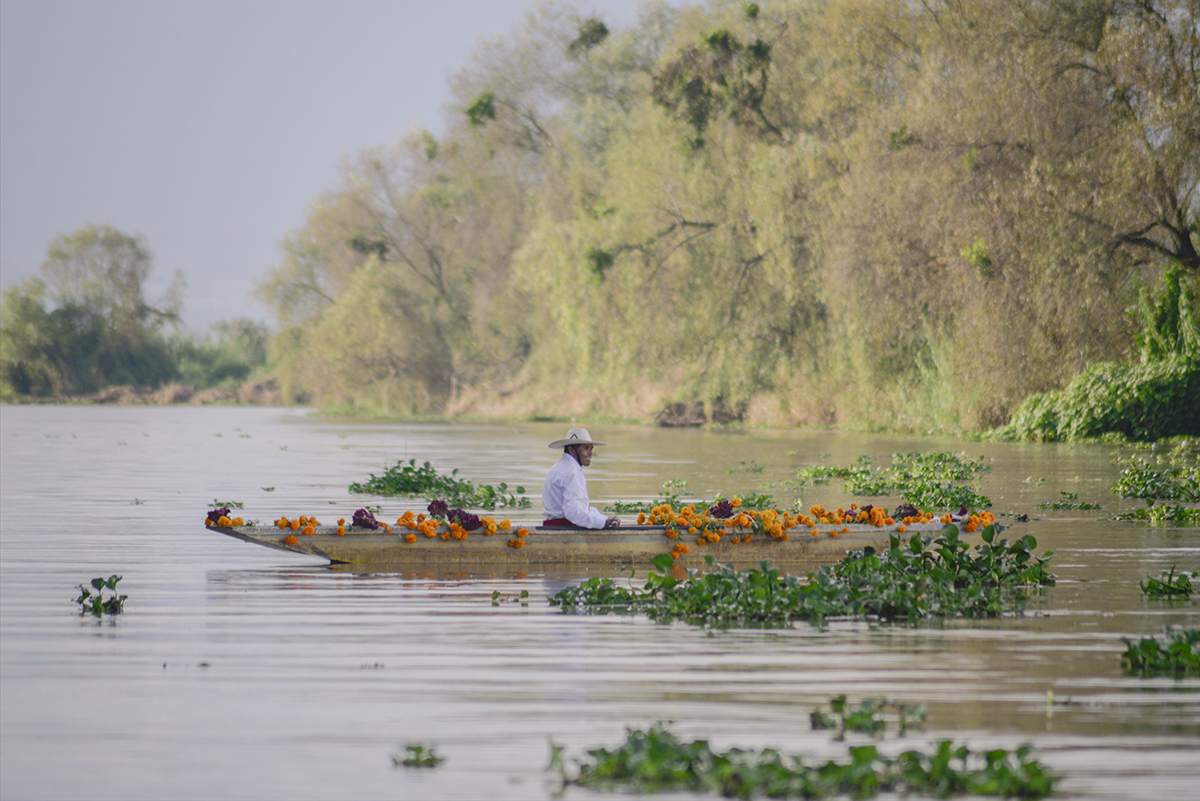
point(1069, 500)
point(1139, 402)
point(925, 578)
point(1178, 655)
point(100, 604)
point(408, 480)
point(867, 718)
point(1179, 480)
point(655, 760)
point(687, 209)
point(1158, 398)
point(418, 756)
point(928, 481)
point(1168, 586)
point(84, 323)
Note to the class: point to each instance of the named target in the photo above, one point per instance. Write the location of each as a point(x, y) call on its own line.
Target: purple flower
point(217, 514)
point(721, 511)
point(465, 519)
point(364, 519)
point(439, 509)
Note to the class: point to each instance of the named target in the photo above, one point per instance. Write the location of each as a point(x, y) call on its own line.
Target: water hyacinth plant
point(937, 481)
point(418, 756)
point(98, 604)
point(1178, 655)
point(655, 760)
point(923, 578)
point(867, 718)
point(409, 480)
point(1168, 586)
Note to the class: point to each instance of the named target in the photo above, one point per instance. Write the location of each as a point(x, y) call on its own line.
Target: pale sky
point(209, 127)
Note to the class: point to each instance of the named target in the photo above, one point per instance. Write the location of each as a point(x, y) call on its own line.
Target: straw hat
point(576, 436)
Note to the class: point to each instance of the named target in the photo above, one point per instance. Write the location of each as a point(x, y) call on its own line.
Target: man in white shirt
point(565, 496)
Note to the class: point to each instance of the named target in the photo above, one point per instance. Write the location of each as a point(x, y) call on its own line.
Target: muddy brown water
point(240, 672)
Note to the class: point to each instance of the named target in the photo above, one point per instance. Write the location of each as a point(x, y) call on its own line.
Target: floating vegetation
point(655, 760)
point(926, 577)
point(418, 756)
point(1180, 482)
point(228, 504)
point(1168, 586)
point(867, 717)
point(1069, 500)
point(408, 480)
point(1178, 656)
point(938, 481)
point(1162, 515)
point(98, 604)
point(1141, 480)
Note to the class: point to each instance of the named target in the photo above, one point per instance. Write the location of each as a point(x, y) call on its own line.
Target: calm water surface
point(240, 672)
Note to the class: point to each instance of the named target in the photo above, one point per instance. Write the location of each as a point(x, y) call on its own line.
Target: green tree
point(85, 323)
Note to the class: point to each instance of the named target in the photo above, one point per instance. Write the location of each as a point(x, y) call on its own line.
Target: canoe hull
point(634, 546)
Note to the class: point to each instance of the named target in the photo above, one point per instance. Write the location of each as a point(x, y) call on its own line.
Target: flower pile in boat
point(222, 517)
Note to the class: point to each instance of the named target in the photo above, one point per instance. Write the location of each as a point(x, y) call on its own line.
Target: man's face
point(584, 454)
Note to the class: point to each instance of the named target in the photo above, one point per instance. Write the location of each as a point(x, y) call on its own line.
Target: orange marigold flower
point(341, 521)
point(421, 517)
point(833, 533)
point(341, 531)
point(674, 554)
point(282, 522)
point(736, 502)
point(308, 531)
point(522, 532)
point(223, 521)
point(814, 532)
point(845, 530)
point(641, 518)
point(295, 524)
point(971, 527)
point(685, 549)
point(672, 533)
point(711, 537)
point(410, 538)
point(700, 540)
point(691, 529)
point(290, 539)
point(784, 537)
point(901, 528)
point(505, 525)
point(737, 540)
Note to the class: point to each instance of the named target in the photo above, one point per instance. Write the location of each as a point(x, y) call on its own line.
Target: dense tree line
point(84, 323)
point(868, 211)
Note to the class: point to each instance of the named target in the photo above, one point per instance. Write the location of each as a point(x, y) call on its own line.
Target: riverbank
point(252, 393)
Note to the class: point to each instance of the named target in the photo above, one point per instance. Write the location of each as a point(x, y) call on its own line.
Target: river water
point(241, 672)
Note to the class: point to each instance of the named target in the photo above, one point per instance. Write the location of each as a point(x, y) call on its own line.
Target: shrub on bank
point(1136, 401)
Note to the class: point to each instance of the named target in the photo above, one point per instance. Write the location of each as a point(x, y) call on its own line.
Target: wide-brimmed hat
point(576, 436)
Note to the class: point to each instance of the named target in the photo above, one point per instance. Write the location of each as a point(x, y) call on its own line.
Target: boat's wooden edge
point(628, 545)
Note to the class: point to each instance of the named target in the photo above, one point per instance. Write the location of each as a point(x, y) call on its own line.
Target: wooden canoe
point(631, 546)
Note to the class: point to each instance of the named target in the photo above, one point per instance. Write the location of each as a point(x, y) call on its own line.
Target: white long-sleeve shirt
point(566, 495)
